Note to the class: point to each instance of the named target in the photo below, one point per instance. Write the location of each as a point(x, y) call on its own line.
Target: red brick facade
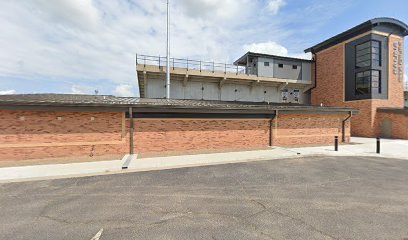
point(34, 135)
point(330, 90)
point(38, 135)
point(399, 123)
point(163, 135)
point(303, 130)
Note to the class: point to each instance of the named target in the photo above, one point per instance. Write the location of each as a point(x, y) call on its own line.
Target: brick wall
point(399, 124)
point(49, 135)
point(330, 89)
point(165, 135)
point(301, 130)
point(33, 135)
point(158, 135)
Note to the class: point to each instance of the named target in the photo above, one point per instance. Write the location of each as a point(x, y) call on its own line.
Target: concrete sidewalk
point(390, 148)
point(358, 147)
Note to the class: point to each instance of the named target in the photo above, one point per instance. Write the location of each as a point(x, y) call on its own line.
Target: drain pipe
point(343, 127)
point(270, 132)
point(271, 129)
point(131, 131)
point(315, 70)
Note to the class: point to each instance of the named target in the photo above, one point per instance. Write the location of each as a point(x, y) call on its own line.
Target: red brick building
point(355, 76)
point(363, 68)
point(54, 126)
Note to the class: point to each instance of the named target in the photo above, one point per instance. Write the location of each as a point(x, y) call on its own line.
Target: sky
point(79, 46)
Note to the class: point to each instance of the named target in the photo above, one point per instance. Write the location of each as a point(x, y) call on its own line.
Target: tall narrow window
point(367, 82)
point(363, 83)
point(368, 53)
point(366, 68)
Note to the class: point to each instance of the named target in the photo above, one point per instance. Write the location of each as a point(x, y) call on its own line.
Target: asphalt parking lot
point(303, 198)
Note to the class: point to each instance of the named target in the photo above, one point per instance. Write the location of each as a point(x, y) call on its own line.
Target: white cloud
point(302, 55)
point(273, 48)
point(87, 44)
point(267, 48)
point(124, 90)
point(80, 89)
point(7, 92)
point(81, 13)
point(210, 9)
point(275, 5)
point(88, 40)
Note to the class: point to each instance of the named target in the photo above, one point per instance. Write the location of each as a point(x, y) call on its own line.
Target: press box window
point(294, 66)
point(368, 54)
point(367, 82)
point(280, 65)
point(266, 64)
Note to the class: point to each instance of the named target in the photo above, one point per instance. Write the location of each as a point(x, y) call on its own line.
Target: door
point(386, 129)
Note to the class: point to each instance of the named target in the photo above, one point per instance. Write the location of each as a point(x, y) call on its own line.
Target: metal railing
point(190, 64)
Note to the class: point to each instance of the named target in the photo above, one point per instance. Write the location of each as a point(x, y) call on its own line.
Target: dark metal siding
point(350, 70)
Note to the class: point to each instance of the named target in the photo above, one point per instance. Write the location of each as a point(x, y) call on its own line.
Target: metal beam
point(168, 53)
point(242, 115)
point(131, 131)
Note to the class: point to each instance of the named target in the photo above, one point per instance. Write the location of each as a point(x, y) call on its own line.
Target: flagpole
point(168, 54)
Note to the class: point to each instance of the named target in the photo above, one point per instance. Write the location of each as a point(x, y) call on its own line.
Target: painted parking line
point(127, 159)
point(98, 235)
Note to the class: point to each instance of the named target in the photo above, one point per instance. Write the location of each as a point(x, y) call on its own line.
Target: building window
point(367, 82)
point(366, 68)
point(280, 65)
point(266, 64)
point(368, 53)
point(375, 81)
point(294, 66)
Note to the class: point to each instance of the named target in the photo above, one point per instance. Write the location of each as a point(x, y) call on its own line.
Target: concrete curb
point(396, 149)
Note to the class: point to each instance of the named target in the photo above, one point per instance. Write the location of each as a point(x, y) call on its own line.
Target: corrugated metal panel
point(258, 94)
point(265, 71)
point(77, 102)
point(272, 94)
point(243, 93)
point(211, 91)
point(156, 88)
point(176, 89)
point(306, 71)
point(287, 71)
point(194, 90)
point(228, 92)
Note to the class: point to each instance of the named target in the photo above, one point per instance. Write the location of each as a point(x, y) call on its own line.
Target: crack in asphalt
point(274, 210)
point(232, 206)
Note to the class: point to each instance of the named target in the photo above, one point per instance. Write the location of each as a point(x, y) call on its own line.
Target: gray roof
point(76, 100)
point(359, 29)
point(394, 110)
point(242, 60)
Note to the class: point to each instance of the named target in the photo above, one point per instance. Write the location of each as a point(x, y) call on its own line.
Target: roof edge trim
point(365, 26)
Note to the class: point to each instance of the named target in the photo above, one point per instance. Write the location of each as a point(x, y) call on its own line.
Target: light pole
point(168, 54)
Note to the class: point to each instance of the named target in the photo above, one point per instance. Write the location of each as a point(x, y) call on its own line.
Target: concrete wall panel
point(156, 88)
point(211, 91)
